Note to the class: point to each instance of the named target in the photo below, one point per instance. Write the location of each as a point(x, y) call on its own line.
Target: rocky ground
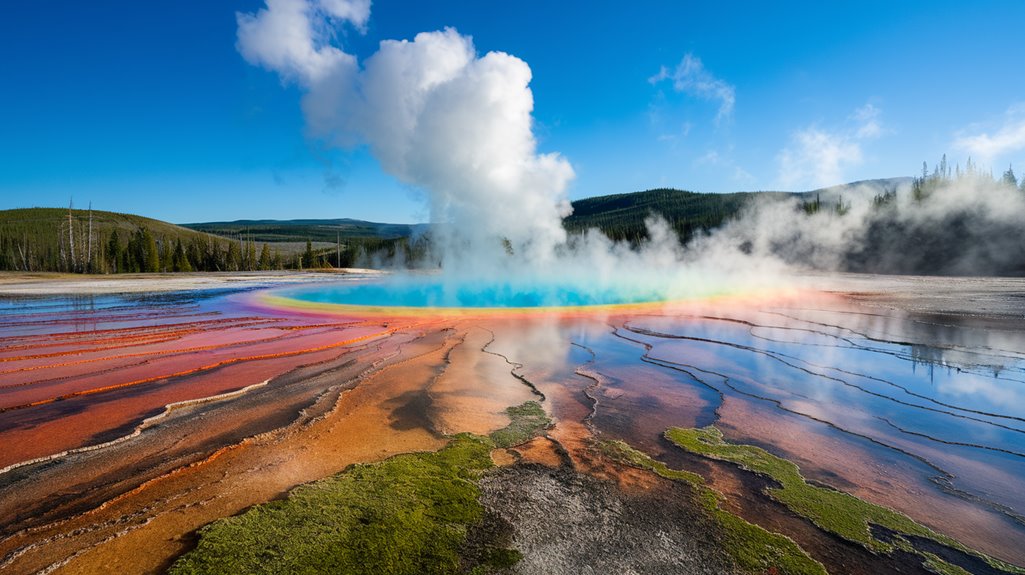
point(567, 522)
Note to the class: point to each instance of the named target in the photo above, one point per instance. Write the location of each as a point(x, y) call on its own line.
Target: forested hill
point(302, 230)
point(58, 239)
point(621, 216)
point(84, 241)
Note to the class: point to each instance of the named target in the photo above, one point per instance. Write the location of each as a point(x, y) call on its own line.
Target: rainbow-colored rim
point(272, 300)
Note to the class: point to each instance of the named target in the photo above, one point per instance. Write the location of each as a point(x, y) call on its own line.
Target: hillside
point(621, 216)
point(41, 239)
point(302, 230)
point(46, 239)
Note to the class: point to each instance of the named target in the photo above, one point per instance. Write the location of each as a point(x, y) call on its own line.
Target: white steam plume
point(435, 114)
point(970, 225)
point(458, 125)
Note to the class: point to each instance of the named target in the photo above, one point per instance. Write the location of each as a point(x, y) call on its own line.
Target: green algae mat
point(409, 514)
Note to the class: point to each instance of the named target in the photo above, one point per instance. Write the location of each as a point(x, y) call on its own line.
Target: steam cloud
point(435, 114)
point(458, 125)
point(967, 225)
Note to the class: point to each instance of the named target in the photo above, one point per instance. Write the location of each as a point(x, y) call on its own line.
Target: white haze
point(458, 125)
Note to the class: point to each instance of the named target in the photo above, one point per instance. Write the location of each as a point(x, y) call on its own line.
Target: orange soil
point(386, 414)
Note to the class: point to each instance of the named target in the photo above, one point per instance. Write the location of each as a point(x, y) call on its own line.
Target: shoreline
point(31, 284)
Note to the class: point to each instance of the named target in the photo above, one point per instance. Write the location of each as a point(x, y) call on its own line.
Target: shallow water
point(924, 414)
point(433, 291)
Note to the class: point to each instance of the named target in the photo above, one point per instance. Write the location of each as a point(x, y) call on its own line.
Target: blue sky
point(147, 107)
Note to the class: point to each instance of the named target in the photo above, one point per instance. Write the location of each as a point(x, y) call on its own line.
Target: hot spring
point(443, 292)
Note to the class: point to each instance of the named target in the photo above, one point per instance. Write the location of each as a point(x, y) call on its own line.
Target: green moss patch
point(831, 510)
point(408, 514)
point(529, 420)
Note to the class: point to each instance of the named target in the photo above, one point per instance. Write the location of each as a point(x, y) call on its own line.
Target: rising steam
point(435, 114)
point(458, 125)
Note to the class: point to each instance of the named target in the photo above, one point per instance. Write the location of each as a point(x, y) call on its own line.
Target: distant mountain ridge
point(317, 230)
point(37, 239)
point(622, 216)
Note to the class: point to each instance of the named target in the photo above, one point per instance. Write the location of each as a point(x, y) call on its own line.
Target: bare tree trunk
point(338, 249)
point(71, 235)
point(61, 247)
point(24, 257)
point(89, 246)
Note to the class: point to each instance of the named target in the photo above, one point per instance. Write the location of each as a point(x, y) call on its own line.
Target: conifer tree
point(180, 262)
point(251, 255)
point(308, 260)
point(265, 262)
point(151, 256)
point(234, 257)
point(1009, 178)
point(114, 255)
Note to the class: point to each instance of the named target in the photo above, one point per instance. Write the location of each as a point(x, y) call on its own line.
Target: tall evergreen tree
point(250, 255)
point(151, 256)
point(265, 262)
point(114, 255)
point(1009, 178)
point(308, 255)
point(166, 250)
point(234, 257)
point(180, 262)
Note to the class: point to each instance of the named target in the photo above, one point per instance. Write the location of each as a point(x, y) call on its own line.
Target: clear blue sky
point(147, 107)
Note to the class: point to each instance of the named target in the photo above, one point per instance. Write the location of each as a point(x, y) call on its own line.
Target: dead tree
point(71, 236)
point(89, 245)
point(23, 254)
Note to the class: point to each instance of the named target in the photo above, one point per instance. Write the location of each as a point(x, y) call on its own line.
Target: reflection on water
point(919, 414)
point(925, 414)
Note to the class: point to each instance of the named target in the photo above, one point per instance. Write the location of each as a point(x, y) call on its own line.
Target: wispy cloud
point(819, 157)
point(690, 77)
point(723, 161)
point(990, 143)
point(869, 124)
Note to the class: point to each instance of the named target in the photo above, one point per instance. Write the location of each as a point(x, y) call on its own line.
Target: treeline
point(323, 231)
point(87, 241)
point(621, 216)
point(957, 221)
point(143, 252)
point(403, 252)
